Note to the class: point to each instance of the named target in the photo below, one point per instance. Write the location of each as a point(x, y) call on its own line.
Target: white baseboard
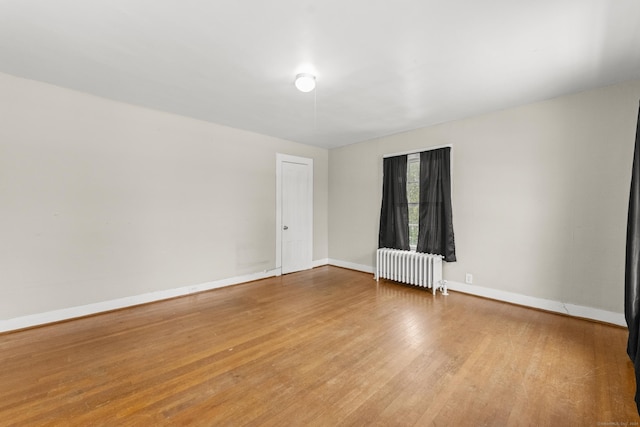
point(89, 309)
point(524, 300)
point(314, 264)
point(99, 307)
point(540, 303)
point(320, 262)
point(352, 266)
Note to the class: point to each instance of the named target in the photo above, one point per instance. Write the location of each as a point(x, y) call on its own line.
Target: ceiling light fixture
point(305, 82)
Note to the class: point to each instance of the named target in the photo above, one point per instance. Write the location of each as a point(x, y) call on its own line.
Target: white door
point(296, 213)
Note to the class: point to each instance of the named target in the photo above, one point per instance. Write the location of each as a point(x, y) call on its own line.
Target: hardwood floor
point(322, 347)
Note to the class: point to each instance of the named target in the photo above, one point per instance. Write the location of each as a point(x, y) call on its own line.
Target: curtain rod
point(417, 151)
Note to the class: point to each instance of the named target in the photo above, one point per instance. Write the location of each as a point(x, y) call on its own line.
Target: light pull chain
point(315, 107)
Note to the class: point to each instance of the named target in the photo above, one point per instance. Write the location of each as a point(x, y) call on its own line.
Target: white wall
point(101, 200)
point(540, 196)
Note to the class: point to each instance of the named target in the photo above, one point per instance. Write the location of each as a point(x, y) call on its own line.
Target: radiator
point(413, 268)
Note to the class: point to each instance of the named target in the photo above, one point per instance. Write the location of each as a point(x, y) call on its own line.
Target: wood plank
point(328, 346)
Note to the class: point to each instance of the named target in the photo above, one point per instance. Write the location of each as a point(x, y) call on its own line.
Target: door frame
point(286, 158)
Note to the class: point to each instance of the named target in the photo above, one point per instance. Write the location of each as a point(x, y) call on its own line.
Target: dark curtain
point(435, 235)
point(394, 215)
point(632, 270)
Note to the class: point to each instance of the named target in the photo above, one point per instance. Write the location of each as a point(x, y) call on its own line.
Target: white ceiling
point(382, 66)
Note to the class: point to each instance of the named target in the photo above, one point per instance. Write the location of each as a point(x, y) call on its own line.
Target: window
point(416, 203)
point(413, 197)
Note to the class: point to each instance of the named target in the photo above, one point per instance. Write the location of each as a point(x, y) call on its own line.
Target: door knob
point(285, 228)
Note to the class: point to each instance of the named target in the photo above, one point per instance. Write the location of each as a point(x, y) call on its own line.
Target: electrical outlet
point(468, 278)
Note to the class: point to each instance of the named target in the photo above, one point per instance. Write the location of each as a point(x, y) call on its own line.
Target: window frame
point(417, 153)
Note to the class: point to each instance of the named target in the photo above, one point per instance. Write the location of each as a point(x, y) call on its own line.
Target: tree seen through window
point(413, 197)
